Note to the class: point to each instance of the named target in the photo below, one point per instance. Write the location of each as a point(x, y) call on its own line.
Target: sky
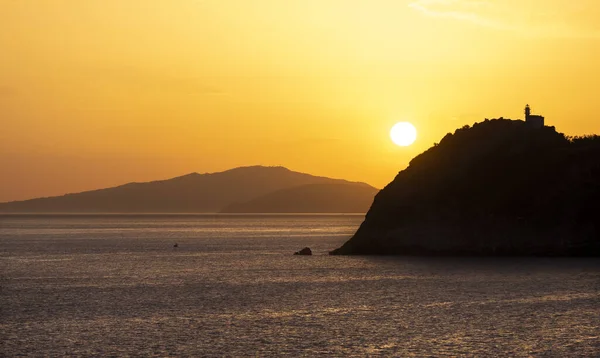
point(99, 93)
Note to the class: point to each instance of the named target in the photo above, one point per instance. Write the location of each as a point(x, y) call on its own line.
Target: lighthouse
point(533, 120)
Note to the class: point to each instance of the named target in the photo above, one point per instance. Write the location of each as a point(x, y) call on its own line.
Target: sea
point(116, 285)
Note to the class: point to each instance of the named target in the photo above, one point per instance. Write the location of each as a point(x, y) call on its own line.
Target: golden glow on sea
point(97, 93)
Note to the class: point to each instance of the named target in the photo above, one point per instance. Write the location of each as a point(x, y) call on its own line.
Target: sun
point(403, 134)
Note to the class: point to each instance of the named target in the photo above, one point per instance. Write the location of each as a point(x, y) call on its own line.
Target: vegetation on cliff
point(497, 188)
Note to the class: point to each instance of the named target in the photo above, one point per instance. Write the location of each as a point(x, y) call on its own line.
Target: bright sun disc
point(403, 134)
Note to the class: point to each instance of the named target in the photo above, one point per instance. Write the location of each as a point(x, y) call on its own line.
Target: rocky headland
point(499, 188)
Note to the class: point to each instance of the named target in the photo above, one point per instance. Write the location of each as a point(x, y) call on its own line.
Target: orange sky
point(97, 93)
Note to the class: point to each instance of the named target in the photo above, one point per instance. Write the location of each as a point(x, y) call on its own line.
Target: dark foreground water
point(114, 285)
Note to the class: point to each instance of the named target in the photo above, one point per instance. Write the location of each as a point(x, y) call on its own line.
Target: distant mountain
point(192, 193)
point(311, 198)
point(500, 187)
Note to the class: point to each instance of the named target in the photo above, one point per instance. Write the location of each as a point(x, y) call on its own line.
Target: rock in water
point(498, 188)
point(305, 252)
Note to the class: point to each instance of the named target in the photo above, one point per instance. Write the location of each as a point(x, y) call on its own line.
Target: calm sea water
point(115, 285)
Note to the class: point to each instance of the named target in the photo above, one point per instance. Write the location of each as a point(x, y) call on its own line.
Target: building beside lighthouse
point(533, 120)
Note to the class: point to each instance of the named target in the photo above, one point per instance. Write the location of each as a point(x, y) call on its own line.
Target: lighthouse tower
point(533, 120)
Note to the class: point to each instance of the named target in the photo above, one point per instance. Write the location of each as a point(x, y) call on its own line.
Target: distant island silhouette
point(501, 187)
point(311, 198)
point(254, 188)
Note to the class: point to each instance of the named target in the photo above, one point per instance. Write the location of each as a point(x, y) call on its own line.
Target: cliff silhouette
point(192, 193)
point(500, 187)
point(311, 198)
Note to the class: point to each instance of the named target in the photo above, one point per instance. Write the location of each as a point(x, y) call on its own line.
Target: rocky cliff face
point(497, 188)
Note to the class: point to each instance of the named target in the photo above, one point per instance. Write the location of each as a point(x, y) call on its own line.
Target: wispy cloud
point(465, 10)
point(561, 18)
